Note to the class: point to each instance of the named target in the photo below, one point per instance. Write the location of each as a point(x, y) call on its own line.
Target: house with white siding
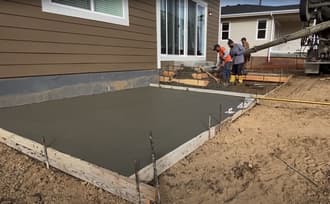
point(261, 24)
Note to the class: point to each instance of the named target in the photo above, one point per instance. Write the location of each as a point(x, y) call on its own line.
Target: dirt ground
point(24, 180)
point(245, 163)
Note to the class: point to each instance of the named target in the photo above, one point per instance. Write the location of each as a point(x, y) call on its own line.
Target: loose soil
point(241, 165)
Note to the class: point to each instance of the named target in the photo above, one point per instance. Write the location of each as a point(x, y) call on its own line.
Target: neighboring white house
point(261, 24)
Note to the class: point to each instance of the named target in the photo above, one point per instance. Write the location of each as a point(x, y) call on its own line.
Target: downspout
point(271, 36)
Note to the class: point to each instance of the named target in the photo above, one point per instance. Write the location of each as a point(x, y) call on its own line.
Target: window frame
point(266, 29)
point(229, 26)
point(184, 56)
point(61, 9)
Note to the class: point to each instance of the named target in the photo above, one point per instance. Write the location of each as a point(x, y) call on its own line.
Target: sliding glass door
point(183, 27)
point(201, 33)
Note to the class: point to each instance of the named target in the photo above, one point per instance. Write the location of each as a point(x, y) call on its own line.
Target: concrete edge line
point(227, 93)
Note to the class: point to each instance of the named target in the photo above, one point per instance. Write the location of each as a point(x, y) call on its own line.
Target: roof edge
point(263, 13)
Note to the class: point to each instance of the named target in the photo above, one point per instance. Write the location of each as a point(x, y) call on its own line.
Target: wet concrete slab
point(111, 130)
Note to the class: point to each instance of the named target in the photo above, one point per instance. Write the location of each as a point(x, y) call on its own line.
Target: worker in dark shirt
point(237, 53)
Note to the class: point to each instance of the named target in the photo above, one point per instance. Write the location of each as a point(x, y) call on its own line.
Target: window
point(183, 27)
point(172, 27)
point(225, 31)
point(111, 11)
point(262, 28)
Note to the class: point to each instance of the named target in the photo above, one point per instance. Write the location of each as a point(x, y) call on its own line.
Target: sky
point(264, 2)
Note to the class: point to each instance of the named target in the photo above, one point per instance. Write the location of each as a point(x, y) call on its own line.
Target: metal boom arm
point(293, 36)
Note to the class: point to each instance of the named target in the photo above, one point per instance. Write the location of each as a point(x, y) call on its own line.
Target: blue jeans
point(226, 71)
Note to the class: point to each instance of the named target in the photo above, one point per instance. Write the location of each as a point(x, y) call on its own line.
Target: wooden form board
point(266, 78)
point(167, 161)
point(112, 182)
point(191, 82)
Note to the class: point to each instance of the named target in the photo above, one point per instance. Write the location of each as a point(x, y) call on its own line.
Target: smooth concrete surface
point(111, 130)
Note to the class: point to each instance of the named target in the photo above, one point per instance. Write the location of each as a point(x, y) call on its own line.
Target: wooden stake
point(45, 152)
point(153, 158)
point(137, 179)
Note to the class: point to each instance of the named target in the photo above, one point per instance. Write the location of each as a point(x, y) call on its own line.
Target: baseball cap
point(216, 46)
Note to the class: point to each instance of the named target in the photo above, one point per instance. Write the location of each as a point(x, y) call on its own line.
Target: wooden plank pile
point(202, 79)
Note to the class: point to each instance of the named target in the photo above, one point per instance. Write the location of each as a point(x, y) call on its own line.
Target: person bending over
point(225, 61)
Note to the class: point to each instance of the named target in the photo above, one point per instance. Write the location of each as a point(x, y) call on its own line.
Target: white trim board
point(227, 93)
point(61, 9)
point(264, 13)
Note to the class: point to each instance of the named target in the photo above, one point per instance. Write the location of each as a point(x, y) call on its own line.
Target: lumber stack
point(266, 78)
point(190, 82)
point(168, 74)
point(199, 76)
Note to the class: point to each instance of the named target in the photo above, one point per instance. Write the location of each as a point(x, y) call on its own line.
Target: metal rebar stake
point(137, 179)
point(153, 158)
point(220, 116)
point(210, 121)
point(243, 104)
point(45, 152)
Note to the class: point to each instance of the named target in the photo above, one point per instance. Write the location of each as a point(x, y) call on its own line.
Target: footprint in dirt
point(241, 169)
